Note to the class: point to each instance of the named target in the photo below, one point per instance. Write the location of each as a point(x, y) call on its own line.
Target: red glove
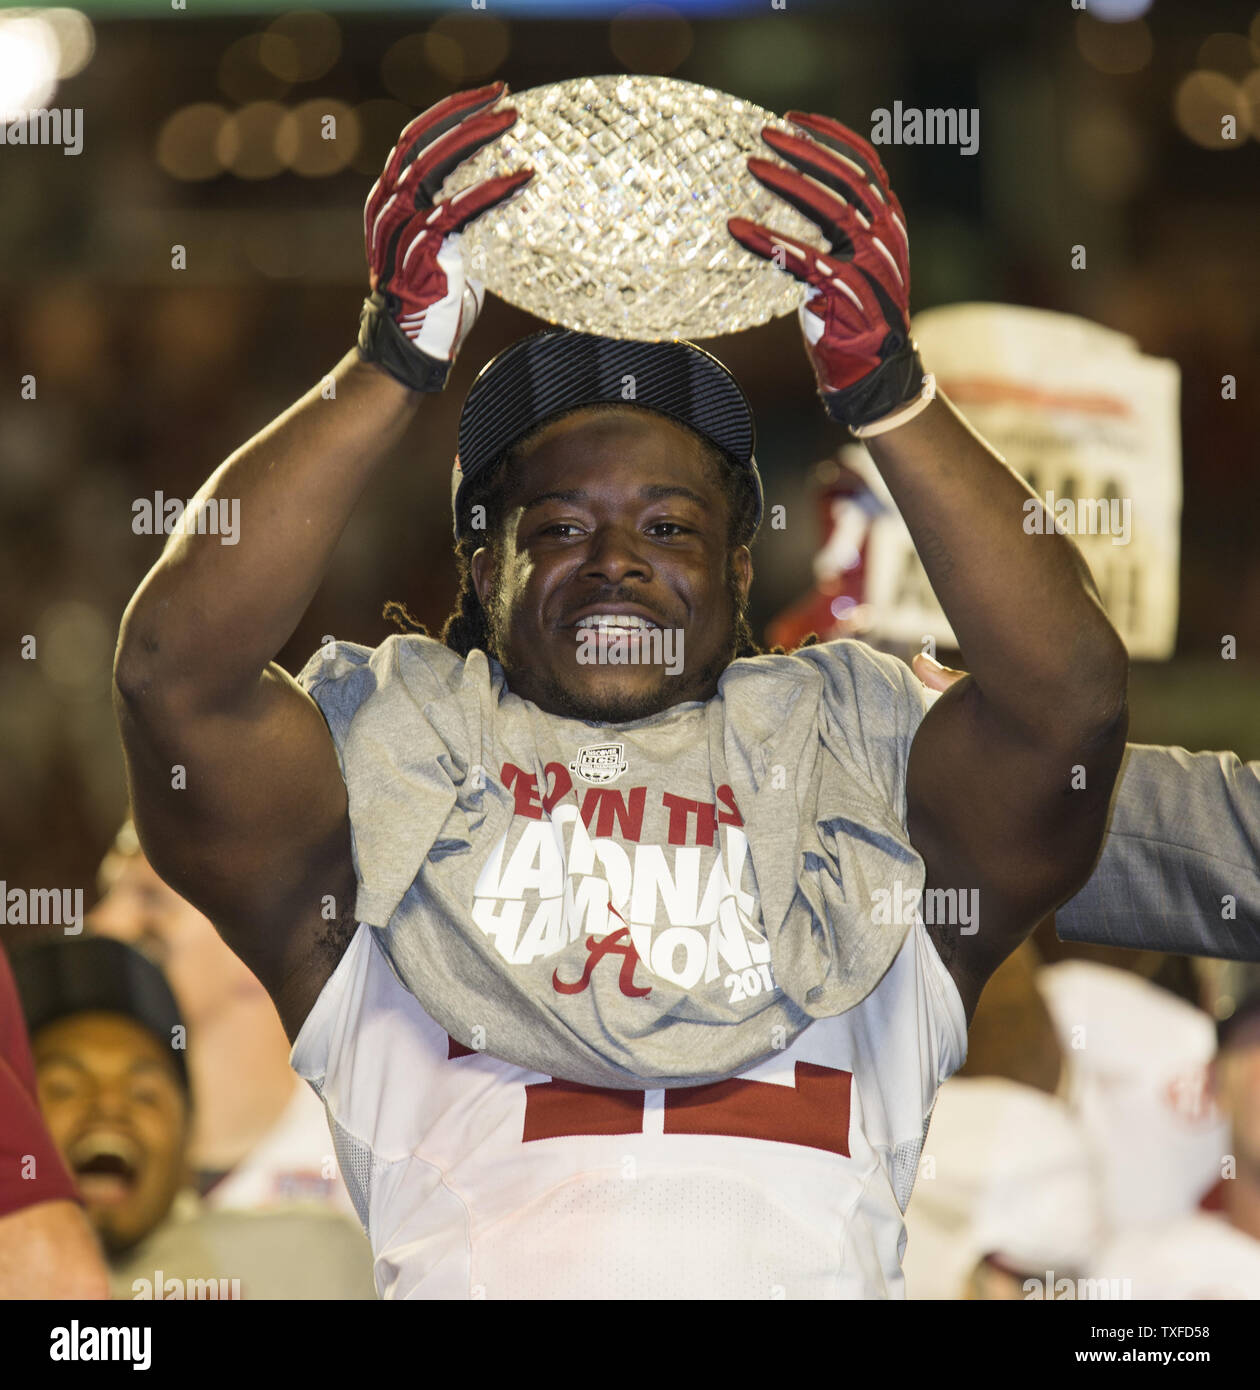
point(423, 304)
point(856, 319)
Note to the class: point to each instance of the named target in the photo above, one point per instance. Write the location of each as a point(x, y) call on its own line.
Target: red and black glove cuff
point(382, 342)
point(895, 382)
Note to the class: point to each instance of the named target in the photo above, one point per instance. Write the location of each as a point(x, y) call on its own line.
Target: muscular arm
point(1180, 868)
point(258, 835)
point(990, 784)
point(259, 838)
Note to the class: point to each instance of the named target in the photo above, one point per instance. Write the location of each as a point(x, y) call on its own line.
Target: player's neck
point(241, 1078)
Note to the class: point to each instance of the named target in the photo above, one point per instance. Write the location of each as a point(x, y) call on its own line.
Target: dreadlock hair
point(466, 626)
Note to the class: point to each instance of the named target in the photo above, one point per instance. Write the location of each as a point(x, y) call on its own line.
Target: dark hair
point(57, 979)
point(466, 626)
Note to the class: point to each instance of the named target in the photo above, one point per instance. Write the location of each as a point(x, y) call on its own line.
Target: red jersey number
point(813, 1112)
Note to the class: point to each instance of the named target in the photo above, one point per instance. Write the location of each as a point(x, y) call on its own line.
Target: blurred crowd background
point(202, 130)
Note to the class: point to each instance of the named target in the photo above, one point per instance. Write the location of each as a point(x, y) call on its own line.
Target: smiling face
point(113, 1103)
point(620, 513)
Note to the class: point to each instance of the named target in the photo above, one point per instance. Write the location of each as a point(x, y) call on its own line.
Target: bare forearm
point(211, 615)
point(1023, 606)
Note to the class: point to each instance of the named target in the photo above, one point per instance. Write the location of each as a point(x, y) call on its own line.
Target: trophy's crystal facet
point(622, 229)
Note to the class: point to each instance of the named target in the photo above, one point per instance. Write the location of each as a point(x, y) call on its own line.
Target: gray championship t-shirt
point(659, 903)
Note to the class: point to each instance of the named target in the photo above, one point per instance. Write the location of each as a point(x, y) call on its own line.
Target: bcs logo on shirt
point(600, 763)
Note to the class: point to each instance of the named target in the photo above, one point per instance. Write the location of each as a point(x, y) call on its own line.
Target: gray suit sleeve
point(1180, 867)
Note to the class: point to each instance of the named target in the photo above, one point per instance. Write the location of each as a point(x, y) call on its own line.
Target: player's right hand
point(423, 304)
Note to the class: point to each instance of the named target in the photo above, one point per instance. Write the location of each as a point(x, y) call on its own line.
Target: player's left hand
point(932, 673)
point(856, 318)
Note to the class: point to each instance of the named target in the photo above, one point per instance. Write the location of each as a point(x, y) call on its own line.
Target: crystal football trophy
point(622, 229)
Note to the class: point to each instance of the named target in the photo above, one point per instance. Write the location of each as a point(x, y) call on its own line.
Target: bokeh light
point(1114, 48)
point(1108, 153)
point(1230, 54)
point(29, 58)
point(248, 142)
point(305, 44)
point(445, 57)
point(38, 47)
point(1250, 90)
point(76, 40)
point(405, 72)
point(68, 335)
point(466, 48)
point(76, 645)
point(187, 144)
point(1114, 11)
point(279, 55)
point(319, 137)
point(650, 39)
point(244, 77)
point(1201, 103)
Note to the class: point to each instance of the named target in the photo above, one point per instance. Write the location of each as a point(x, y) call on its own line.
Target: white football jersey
point(475, 1178)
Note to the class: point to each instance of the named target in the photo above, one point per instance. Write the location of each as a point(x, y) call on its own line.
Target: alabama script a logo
point(616, 943)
